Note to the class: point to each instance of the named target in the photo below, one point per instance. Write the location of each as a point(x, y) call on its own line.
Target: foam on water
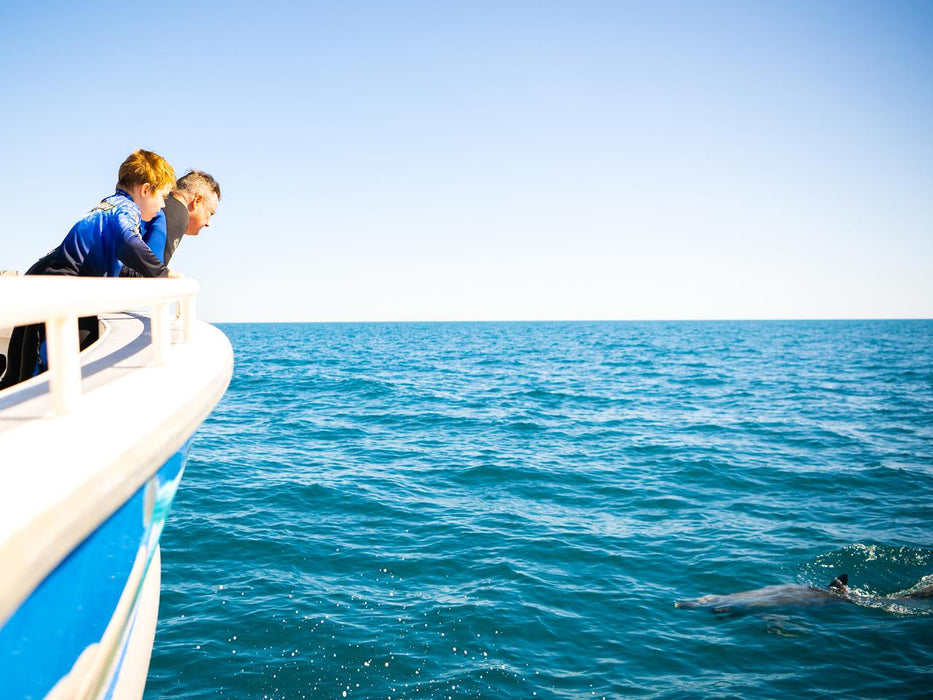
point(511, 510)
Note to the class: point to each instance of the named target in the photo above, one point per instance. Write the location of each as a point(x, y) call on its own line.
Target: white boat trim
point(58, 301)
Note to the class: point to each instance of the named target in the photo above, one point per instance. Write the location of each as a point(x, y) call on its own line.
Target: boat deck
point(122, 348)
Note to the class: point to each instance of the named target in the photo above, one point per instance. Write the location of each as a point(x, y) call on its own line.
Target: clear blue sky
point(466, 160)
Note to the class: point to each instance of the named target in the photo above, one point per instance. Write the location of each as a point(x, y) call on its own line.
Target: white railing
point(59, 301)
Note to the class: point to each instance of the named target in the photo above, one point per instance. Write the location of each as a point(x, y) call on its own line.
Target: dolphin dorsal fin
point(840, 584)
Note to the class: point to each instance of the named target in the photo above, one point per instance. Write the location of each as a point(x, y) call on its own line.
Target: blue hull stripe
point(72, 607)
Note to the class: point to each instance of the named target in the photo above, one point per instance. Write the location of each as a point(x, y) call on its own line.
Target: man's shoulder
point(175, 207)
point(176, 217)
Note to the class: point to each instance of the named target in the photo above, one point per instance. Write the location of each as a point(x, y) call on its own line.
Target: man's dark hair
point(194, 181)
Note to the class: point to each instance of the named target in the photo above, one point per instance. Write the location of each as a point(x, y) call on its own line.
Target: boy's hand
point(175, 275)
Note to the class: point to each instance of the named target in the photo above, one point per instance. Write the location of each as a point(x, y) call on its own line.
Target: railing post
point(188, 317)
point(62, 352)
point(161, 332)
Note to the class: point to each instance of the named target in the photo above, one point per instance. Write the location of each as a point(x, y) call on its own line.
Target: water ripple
point(510, 510)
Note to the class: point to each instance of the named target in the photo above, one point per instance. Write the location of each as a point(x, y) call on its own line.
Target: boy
point(109, 237)
point(99, 245)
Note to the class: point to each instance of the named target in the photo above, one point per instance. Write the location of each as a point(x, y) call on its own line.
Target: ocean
point(511, 510)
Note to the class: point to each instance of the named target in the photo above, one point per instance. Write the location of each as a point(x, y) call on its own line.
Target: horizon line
point(598, 320)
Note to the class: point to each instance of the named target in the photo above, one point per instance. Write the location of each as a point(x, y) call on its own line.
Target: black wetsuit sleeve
point(176, 222)
point(138, 257)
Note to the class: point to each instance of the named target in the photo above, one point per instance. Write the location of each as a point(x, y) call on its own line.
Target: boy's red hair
point(145, 167)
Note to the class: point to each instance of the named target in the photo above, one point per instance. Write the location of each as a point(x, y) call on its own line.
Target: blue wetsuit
point(105, 240)
point(154, 233)
point(99, 245)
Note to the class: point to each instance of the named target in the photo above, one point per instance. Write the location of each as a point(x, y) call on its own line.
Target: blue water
point(511, 509)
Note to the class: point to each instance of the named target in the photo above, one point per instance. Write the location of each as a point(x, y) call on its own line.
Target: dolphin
point(796, 595)
point(919, 594)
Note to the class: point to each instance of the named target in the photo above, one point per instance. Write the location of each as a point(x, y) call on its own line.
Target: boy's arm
point(133, 251)
point(154, 235)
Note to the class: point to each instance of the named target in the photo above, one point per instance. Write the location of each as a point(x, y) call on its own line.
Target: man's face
point(200, 210)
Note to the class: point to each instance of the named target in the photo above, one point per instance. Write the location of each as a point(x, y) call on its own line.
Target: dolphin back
point(787, 595)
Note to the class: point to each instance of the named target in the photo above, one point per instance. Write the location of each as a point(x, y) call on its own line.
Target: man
point(187, 210)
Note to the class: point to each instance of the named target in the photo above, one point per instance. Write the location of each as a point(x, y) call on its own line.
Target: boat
point(91, 455)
